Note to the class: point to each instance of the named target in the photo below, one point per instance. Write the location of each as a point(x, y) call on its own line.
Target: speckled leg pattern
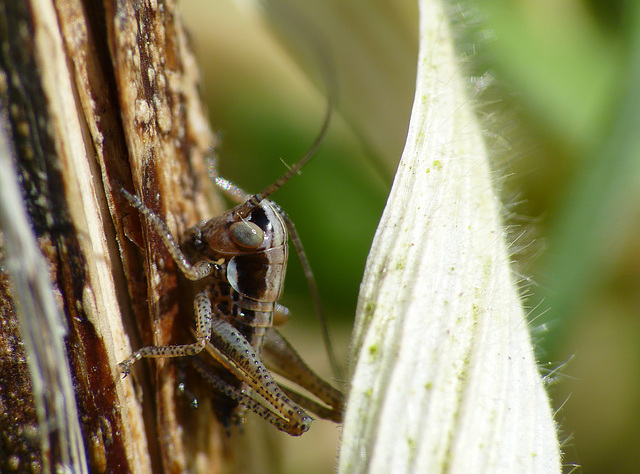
point(229, 342)
point(204, 317)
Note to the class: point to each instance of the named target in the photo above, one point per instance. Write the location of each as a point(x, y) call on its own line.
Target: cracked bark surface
point(97, 97)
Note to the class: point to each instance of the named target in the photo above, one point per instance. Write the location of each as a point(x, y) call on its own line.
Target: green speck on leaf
point(369, 308)
point(374, 351)
point(411, 443)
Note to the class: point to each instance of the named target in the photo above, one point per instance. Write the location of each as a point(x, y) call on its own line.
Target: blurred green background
point(557, 86)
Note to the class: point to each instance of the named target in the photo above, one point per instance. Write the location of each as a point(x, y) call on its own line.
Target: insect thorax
point(250, 280)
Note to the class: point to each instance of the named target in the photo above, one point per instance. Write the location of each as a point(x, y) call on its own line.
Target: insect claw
point(125, 369)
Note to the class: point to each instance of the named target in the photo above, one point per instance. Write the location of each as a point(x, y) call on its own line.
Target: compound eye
point(247, 234)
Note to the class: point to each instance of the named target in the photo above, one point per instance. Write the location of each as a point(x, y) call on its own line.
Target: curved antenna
point(321, 51)
point(254, 200)
point(288, 19)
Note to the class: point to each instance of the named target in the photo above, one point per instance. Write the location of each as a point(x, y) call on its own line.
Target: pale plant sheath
point(445, 378)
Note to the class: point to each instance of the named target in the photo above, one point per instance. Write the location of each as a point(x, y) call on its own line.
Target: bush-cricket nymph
point(237, 263)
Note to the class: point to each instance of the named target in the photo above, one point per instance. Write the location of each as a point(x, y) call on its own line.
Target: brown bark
point(96, 97)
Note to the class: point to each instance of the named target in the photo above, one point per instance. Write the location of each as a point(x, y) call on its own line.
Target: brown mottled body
point(240, 263)
point(237, 262)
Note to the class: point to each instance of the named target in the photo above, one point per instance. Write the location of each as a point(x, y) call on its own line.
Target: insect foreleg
point(204, 313)
point(195, 272)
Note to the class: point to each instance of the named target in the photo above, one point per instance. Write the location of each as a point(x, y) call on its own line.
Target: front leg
point(195, 272)
point(204, 316)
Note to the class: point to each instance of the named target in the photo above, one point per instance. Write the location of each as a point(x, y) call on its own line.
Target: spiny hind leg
point(281, 358)
point(230, 348)
point(204, 316)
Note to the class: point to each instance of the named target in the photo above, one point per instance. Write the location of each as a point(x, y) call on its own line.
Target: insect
point(237, 263)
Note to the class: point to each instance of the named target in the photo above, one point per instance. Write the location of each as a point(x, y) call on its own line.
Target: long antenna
point(254, 200)
point(287, 18)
